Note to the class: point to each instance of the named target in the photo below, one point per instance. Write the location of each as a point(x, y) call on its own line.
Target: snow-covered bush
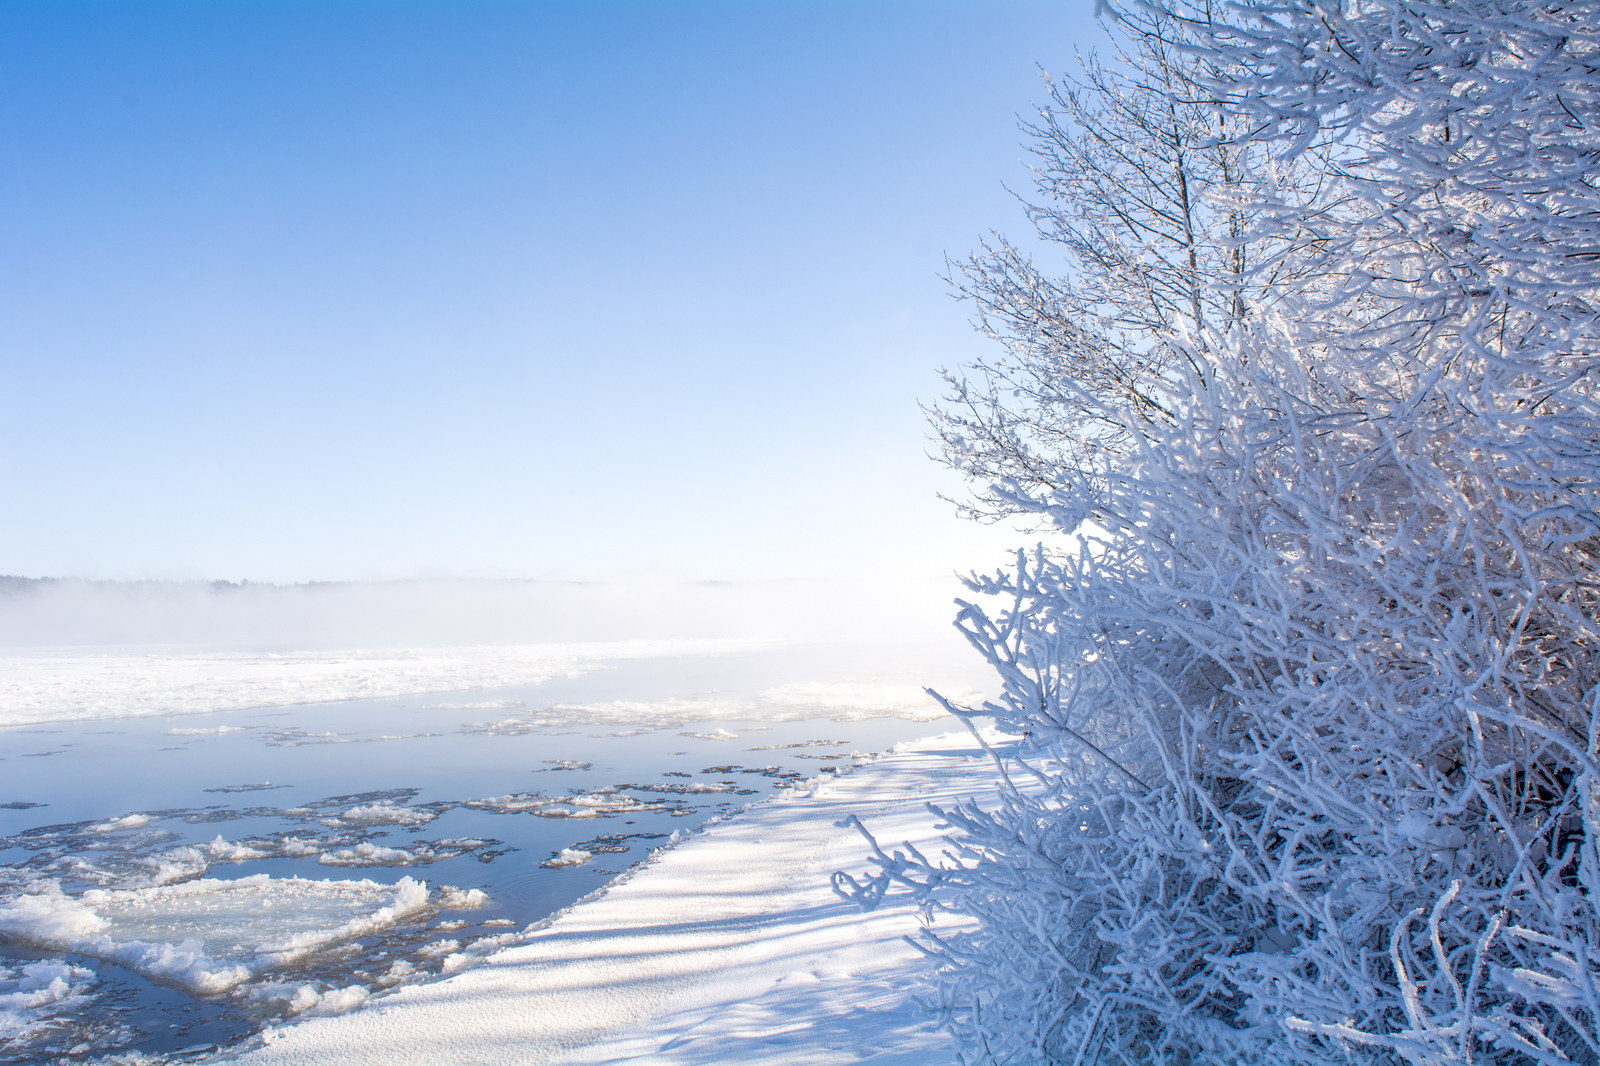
point(1314, 760)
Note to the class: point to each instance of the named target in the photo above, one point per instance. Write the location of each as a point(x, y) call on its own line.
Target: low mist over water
point(38, 613)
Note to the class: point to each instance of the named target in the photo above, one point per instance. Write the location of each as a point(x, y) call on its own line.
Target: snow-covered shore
point(731, 947)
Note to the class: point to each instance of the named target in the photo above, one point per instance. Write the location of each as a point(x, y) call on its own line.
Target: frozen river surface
point(168, 883)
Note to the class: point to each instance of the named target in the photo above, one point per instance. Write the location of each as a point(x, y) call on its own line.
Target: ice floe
point(715, 734)
point(452, 898)
point(567, 857)
point(129, 821)
point(388, 814)
point(228, 931)
point(594, 804)
point(367, 854)
point(34, 995)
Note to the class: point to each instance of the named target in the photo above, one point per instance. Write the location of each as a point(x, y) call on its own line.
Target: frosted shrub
point(1313, 760)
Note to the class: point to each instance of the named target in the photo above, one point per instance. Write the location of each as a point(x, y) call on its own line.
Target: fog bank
point(443, 613)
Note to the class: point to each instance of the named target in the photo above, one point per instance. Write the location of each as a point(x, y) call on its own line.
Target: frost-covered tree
point(1314, 763)
point(1139, 186)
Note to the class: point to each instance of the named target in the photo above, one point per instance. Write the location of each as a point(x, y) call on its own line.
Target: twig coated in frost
point(1308, 677)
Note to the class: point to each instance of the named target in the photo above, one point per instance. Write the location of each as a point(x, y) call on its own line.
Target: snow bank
point(231, 931)
point(731, 947)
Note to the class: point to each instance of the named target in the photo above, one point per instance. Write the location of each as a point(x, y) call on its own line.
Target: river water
point(134, 914)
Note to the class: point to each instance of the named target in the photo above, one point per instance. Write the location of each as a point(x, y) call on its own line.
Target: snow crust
point(730, 947)
point(233, 931)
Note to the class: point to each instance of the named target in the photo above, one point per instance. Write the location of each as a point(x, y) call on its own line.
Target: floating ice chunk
point(129, 821)
point(36, 992)
point(452, 898)
point(222, 850)
point(513, 727)
point(438, 948)
point(715, 734)
point(593, 804)
point(218, 731)
point(49, 916)
point(179, 864)
point(210, 936)
point(568, 764)
point(367, 854)
point(388, 814)
point(675, 788)
point(567, 857)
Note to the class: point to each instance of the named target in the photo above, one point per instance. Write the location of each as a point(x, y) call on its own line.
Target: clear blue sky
point(340, 290)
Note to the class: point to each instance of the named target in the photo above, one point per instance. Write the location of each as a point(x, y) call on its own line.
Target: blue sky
point(346, 290)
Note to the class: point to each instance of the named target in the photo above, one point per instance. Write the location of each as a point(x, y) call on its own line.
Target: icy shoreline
point(730, 947)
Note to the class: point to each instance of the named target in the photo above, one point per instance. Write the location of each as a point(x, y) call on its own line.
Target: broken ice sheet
point(33, 996)
point(513, 727)
point(595, 803)
point(567, 764)
point(209, 936)
point(566, 857)
point(716, 734)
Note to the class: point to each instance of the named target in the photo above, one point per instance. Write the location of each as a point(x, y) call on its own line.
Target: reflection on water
point(509, 805)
